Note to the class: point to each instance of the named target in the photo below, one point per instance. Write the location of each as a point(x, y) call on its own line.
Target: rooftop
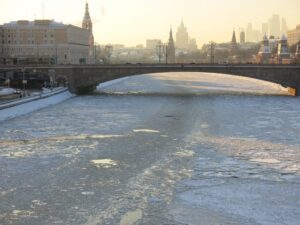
point(29, 24)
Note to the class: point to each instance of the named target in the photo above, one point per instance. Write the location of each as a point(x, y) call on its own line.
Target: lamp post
point(160, 48)
point(166, 53)
point(24, 82)
point(56, 55)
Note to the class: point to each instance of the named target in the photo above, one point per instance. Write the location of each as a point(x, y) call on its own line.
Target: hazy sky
point(131, 22)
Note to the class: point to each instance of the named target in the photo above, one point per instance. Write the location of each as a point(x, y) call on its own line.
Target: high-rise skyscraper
point(87, 24)
point(182, 37)
point(171, 49)
point(284, 27)
point(274, 26)
point(249, 32)
point(242, 37)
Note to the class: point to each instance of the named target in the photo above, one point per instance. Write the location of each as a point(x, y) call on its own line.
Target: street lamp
point(24, 82)
point(160, 50)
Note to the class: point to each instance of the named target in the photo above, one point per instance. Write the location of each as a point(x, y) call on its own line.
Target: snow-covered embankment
point(35, 104)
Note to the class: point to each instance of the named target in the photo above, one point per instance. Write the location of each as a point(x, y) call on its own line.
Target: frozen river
point(178, 148)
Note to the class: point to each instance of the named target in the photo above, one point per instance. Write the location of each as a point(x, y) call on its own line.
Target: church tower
point(87, 24)
point(233, 45)
point(264, 54)
point(283, 50)
point(171, 49)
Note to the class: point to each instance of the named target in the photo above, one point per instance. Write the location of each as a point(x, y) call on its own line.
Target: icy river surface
point(161, 149)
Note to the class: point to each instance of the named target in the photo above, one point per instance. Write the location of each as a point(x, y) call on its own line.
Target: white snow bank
point(7, 91)
point(109, 83)
point(29, 107)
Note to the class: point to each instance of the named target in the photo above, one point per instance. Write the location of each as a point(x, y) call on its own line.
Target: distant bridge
point(83, 79)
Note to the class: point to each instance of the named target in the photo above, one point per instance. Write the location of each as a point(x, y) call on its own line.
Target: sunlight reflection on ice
point(104, 163)
point(269, 160)
point(145, 131)
point(185, 153)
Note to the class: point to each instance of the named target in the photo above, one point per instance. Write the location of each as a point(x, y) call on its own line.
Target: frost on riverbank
point(32, 106)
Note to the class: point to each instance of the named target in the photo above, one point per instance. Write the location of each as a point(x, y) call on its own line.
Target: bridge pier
point(294, 91)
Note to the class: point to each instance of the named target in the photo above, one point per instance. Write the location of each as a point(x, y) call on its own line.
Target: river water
point(174, 148)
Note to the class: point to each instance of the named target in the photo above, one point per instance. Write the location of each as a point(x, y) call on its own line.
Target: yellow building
point(293, 36)
point(43, 41)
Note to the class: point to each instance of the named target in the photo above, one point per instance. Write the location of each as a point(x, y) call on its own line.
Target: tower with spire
point(170, 51)
point(182, 37)
point(264, 54)
point(233, 45)
point(87, 24)
point(283, 50)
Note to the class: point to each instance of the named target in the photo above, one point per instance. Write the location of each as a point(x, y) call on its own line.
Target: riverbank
point(26, 105)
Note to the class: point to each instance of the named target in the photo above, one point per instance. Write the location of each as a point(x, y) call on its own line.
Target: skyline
point(113, 19)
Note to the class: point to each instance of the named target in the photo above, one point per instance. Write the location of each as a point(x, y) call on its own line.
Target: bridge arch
point(200, 83)
point(85, 79)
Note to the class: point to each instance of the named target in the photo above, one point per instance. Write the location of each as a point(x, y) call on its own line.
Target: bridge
point(83, 79)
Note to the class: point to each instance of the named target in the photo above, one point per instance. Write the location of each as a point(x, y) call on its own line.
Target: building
point(152, 43)
point(264, 54)
point(182, 37)
point(293, 36)
point(242, 37)
point(43, 41)
point(265, 29)
point(273, 43)
point(256, 36)
point(297, 53)
point(193, 45)
point(88, 25)
point(118, 46)
point(1, 45)
point(283, 55)
point(170, 51)
point(274, 26)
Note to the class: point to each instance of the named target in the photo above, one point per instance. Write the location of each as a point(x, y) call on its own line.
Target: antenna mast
point(43, 10)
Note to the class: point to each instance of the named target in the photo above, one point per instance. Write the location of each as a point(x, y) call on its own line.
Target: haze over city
point(131, 22)
point(109, 117)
